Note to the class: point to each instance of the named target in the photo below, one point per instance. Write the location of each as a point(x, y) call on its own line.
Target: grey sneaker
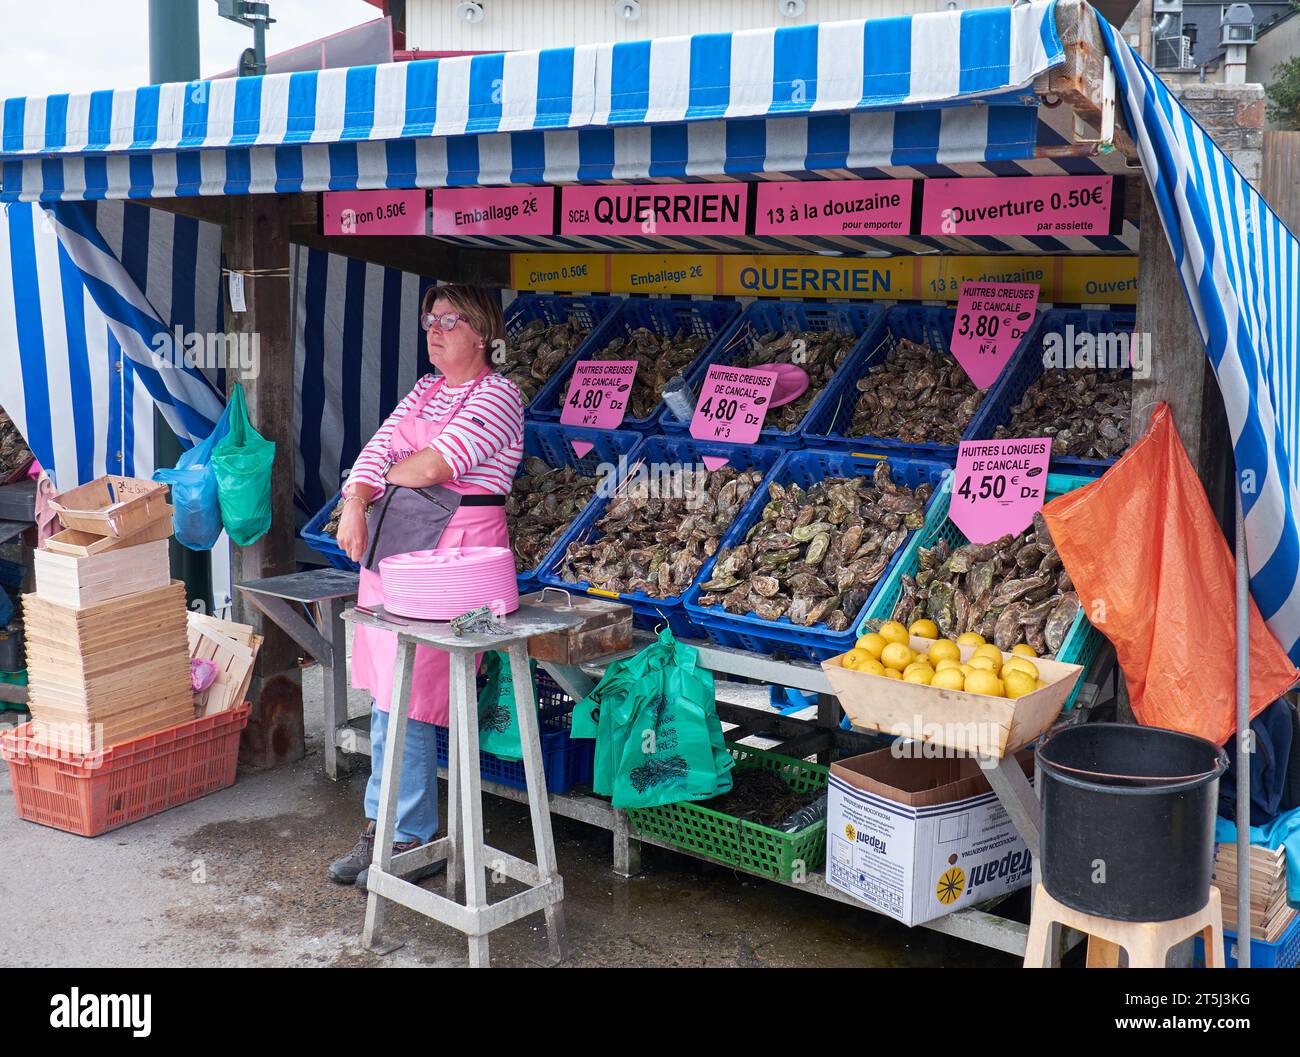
point(345, 871)
point(414, 878)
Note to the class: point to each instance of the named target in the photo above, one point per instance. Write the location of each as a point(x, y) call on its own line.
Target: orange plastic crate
point(124, 783)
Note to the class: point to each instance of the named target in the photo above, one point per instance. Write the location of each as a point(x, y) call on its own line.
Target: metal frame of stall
point(258, 229)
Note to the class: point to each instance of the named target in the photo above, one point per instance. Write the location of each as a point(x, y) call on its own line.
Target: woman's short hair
point(481, 310)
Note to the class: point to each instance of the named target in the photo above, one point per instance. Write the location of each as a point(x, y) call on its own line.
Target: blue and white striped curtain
point(81, 327)
point(1240, 267)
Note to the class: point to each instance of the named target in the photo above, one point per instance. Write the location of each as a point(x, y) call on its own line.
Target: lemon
point(917, 666)
point(988, 650)
point(1040, 684)
point(873, 644)
point(971, 638)
point(944, 650)
point(966, 669)
point(949, 679)
point(919, 675)
point(871, 665)
point(1018, 683)
point(985, 663)
point(893, 631)
point(1025, 650)
point(983, 682)
point(947, 663)
point(893, 673)
point(1017, 663)
point(925, 629)
point(897, 655)
point(853, 658)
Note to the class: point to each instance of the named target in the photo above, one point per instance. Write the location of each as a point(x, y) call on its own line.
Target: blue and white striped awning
point(1240, 268)
point(834, 95)
point(86, 292)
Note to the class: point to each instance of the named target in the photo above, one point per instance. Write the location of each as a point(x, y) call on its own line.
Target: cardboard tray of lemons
point(965, 695)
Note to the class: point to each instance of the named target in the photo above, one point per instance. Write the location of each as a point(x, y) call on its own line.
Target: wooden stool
point(468, 859)
point(1147, 942)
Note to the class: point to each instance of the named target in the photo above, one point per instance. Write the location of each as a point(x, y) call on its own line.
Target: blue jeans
point(417, 791)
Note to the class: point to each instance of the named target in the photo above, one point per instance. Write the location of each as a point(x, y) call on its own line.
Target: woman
point(462, 429)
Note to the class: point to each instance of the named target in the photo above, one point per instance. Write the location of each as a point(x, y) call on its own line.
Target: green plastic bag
point(498, 721)
point(242, 463)
point(658, 736)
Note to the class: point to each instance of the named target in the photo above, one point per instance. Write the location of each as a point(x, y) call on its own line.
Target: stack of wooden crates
point(107, 642)
point(1270, 915)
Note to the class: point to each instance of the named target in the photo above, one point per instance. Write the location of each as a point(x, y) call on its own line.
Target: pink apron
point(374, 653)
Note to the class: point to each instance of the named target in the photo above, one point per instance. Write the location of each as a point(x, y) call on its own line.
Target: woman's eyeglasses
point(447, 321)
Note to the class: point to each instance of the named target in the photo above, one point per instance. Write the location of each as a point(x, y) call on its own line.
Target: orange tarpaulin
point(1155, 576)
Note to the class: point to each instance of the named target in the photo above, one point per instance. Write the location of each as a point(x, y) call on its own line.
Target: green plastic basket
point(745, 845)
point(1081, 641)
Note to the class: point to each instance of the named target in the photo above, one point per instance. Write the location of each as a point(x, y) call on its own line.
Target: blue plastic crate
point(750, 632)
point(648, 611)
point(566, 761)
point(324, 544)
point(1026, 367)
point(765, 317)
point(553, 444)
point(1282, 953)
point(589, 312)
point(1081, 641)
point(662, 315)
point(832, 412)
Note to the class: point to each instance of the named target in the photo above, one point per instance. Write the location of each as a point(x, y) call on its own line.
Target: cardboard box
point(917, 838)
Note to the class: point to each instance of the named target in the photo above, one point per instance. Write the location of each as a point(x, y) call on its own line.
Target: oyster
point(14, 453)
point(543, 503)
point(819, 352)
point(820, 568)
point(917, 394)
point(1009, 591)
point(659, 358)
point(1085, 412)
point(657, 532)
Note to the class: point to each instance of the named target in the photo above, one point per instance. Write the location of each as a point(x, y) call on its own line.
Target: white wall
point(432, 25)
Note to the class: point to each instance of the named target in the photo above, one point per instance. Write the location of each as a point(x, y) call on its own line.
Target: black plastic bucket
point(1128, 820)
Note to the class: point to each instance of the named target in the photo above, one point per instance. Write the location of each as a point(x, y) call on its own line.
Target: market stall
point(662, 205)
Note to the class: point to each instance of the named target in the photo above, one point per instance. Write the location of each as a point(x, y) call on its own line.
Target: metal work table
point(819, 734)
point(331, 589)
point(468, 858)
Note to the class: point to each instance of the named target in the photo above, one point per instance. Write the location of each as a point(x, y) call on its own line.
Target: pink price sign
point(374, 212)
point(732, 405)
point(999, 486)
point(661, 209)
point(1019, 205)
point(494, 211)
point(598, 396)
point(831, 207)
point(992, 319)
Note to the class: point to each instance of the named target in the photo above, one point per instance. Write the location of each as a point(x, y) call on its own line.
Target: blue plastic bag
point(197, 518)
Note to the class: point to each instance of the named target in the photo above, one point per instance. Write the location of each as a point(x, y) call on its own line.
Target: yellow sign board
point(816, 276)
point(1088, 280)
point(568, 272)
point(652, 273)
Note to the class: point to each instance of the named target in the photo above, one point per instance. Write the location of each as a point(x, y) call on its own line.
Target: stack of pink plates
point(441, 584)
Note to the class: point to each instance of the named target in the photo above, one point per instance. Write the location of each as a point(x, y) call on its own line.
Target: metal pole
point(173, 40)
point(1243, 743)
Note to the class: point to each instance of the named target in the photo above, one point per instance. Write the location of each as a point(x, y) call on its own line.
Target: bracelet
point(355, 498)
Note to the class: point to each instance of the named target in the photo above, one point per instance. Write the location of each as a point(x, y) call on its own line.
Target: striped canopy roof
point(947, 87)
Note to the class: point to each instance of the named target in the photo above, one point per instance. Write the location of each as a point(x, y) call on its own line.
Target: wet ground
point(238, 878)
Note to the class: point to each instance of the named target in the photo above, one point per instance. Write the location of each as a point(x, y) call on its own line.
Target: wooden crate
point(81, 582)
point(1270, 914)
point(83, 544)
point(109, 672)
point(233, 649)
point(111, 505)
point(969, 723)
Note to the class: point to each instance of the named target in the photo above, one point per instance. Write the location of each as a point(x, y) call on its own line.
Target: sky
point(54, 46)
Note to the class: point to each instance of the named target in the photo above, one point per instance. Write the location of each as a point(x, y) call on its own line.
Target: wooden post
point(256, 241)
